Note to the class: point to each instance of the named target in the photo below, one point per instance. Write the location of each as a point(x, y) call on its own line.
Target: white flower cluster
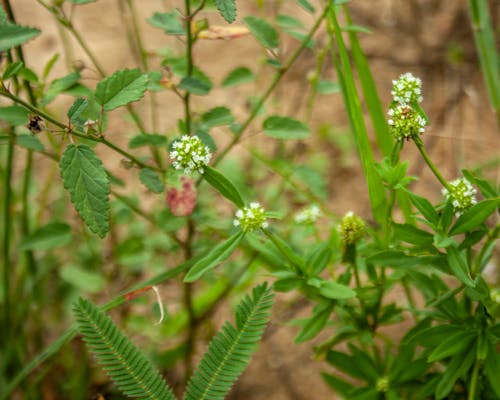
point(405, 122)
point(308, 215)
point(251, 218)
point(190, 154)
point(462, 195)
point(407, 89)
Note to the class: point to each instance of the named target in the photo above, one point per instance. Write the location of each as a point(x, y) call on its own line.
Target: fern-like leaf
point(230, 350)
point(123, 362)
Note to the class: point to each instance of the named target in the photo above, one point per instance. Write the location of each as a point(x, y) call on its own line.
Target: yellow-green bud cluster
point(308, 215)
point(251, 218)
point(405, 122)
point(190, 154)
point(352, 228)
point(462, 195)
point(407, 89)
point(383, 384)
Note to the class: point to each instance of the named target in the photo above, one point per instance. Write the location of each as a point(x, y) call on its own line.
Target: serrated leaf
point(194, 85)
point(85, 178)
point(170, 22)
point(52, 235)
point(285, 128)
point(475, 216)
point(223, 185)
point(217, 116)
point(29, 142)
point(219, 254)
point(336, 291)
point(263, 31)
point(77, 108)
point(227, 9)
point(60, 85)
point(12, 35)
point(121, 88)
point(14, 115)
point(151, 180)
point(238, 76)
point(145, 139)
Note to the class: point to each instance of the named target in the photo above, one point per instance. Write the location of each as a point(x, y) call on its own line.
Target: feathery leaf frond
point(123, 362)
point(230, 350)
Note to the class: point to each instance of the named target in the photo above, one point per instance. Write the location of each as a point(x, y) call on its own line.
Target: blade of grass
point(352, 102)
point(487, 51)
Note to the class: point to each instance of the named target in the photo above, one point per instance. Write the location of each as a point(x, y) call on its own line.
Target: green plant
point(197, 205)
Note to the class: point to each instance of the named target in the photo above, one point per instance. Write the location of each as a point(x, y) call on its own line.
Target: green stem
point(5, 93)
point(277, 77)
point(492, 237)
point(6, 234)
point(188, 303)
point(473, 381)
point(430, 164)
point(189, 59)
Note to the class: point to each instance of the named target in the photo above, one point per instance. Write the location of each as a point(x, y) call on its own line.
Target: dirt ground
point(431, 38)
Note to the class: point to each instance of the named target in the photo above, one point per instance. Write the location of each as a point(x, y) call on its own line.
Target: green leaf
point(452, 345)
point(425, 207)
point(12, 69)
point(82, 279)
point(285, 128)
point(223, 185)
point(356, 28)
point(151, 180)
point(145, 139)
point(263, 31)
point(306, 5)
point(29, 142)
point(458, 366)
point(459, 266)
point(475, 216)
point(14, 115)
point(315, 324)
point(238, 76)
point(217, 116)
point(227, 8)
point(319, 259)
point(231, 349)
point(327, 87)
point(85, 178)
point(336, 291)
point(12, 35)
point(194, 85)
point(80, 2)
point(121, 88)
point(411, 234)
point(492, 368)
point(289, 22)
point(133, 373)
point(52, 235)
point(218, 254)
point(60, 85)
point(394, 258)
point(170, 22)
point(77, 108)
point(289, 254)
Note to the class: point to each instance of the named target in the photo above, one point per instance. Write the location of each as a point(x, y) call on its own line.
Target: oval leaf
point(238, 76)
point(216, 256)
point(47, 237)
point(121, 88)
point(151, 180)
point(223, 185)
point(194, 85)
point(263, 31)
point(85, 178)
point(285, 128)
point(336, 291)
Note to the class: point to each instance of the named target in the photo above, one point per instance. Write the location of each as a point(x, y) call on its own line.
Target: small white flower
point(462, 195)
point(407, 89)
point(308, 215)
point(190, 154)
point(251, 218)
point(405, 122)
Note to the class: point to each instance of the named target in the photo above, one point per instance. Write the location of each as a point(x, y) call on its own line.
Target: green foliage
point(238, 76)
point(151, 180)
point(227, 8)
point(231, 349)
point(285, 128)
point(169, 22)
point(85, 178)
point(12, 35)
point(263, 31)
point(123, 362)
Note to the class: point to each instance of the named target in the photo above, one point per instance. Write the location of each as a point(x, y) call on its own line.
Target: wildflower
point(251, 218)
point(352, 228)
point(308, 215)
point(190, 154)
point(462, 195)
point(407, 89)
point(405, 122)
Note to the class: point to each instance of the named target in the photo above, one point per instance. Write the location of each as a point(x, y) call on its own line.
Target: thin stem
point(277, 77)
point(430, 164)
point(189, 59)
point(188, 303)
point(473, 381)
point(4, 92)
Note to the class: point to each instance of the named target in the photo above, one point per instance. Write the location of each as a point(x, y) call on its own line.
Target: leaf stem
point(420, 146)
point(277, 77)
point(189, 60)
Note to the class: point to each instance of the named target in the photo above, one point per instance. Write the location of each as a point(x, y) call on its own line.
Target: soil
point(430, 38)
